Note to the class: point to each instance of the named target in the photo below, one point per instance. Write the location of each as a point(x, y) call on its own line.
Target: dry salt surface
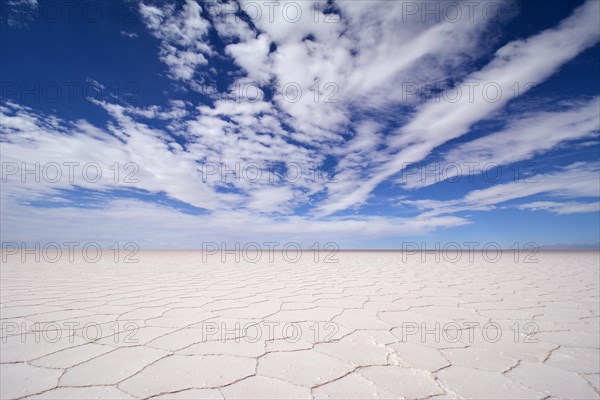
point(372, 325)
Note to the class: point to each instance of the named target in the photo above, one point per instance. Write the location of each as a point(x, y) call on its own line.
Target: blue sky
point(425, 122)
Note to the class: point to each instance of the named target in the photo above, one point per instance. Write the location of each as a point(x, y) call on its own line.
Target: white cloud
point(163, 167)
point(270, 199)
point(130, 35)
point(563, 208)
point(19, 13)
point(522, 139)
point(136, 221)
point(182, 34)
point(576, 180)
point(351, 74)
point(253, 56)
point(436, 122)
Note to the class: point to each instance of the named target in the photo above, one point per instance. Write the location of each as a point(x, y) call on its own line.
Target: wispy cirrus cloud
point(435, 123)
point(562, 208)
point(182, 34)
point(524, 137)
point(346, 114)
point(574, 181)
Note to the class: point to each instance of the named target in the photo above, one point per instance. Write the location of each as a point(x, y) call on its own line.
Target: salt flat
point(371, 325)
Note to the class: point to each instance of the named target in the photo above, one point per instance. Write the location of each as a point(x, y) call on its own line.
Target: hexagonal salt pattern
point(371, 325)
